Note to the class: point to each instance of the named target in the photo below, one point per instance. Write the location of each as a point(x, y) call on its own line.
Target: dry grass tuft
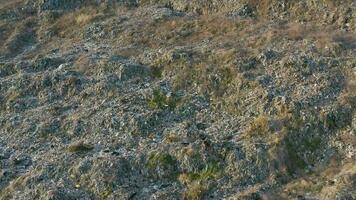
point(68, 25)
point(350, 91)
point(84, 18)
point(259, 126)
point(80, 147)
point(195, 191)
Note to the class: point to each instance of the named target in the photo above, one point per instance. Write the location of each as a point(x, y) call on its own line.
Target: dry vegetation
point(183, 98)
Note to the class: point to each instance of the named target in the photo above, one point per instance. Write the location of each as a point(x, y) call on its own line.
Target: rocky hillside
point(177, 99)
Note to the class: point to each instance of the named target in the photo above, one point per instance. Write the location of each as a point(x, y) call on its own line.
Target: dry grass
point(188, 30)
point(349, 95)
point(326, 35)
point(80, 147)
point(68, 25)
point(261, 5)
point(171, 138)
point(127, 52)
point(325, 184)
point(6, 4)
point(259, 126)
point(82, 63)
point(351, 87)
point(23, 35)
point(83, 18)
point(195, 191)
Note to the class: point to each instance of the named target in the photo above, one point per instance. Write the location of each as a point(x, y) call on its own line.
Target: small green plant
point(209, 172)
point(162, 165)
point(198, 182)
point(313, 144)
point(162, 101)
point(106, 194)
point(156, 71)
point(161, 159)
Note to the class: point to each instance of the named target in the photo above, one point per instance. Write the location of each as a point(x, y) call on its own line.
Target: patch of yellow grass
point(84, 18)
point(259, 126)
point(195, 191)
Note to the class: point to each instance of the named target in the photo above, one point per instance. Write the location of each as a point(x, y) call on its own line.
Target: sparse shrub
point(162, 159)
point(171, 138)
point(339, 118)
point(68, 25)
point(156, 71)
point(162, 165)
point(313, 144)
point(210, 171)
point(162, 101)
point(198, 182)
point(294, 162)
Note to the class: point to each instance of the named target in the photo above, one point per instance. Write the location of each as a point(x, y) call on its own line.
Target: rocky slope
point(163, 99)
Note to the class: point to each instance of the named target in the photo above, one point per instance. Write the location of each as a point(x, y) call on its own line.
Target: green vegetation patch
point(211, 171)
point(198, 183)
point(162, 101)
point(162, 165)
point(295, 161)
point(160, 159)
